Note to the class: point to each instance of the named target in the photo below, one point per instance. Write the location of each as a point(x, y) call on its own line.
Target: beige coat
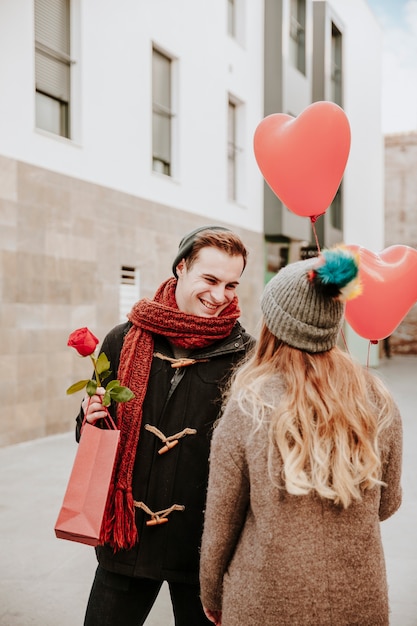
point(272, 559)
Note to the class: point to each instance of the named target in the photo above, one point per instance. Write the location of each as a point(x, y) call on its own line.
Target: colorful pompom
point(337, 273)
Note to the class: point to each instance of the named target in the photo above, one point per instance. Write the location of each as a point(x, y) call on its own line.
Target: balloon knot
point(314, 218)
point(374, 341)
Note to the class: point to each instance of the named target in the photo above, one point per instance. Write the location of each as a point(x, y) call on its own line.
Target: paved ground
point(45, 581)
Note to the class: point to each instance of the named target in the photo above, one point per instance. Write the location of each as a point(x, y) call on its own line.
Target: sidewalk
point(45, 581)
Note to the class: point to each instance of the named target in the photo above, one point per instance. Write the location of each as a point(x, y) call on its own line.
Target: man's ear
point(180, 267)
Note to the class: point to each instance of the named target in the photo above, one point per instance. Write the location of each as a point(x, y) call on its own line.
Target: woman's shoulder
point(238, 411)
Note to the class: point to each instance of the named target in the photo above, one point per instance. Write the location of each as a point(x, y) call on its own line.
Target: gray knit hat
point(187, 242)
point(303, 304)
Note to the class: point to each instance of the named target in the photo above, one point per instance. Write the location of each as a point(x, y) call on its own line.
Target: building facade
point(314, 51)
point(401, 219)
point(125, 125)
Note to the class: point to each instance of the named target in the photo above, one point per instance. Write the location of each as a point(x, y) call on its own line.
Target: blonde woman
point(305, 464)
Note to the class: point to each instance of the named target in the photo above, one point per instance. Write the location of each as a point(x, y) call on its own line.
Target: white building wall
point(112, 46)
point(74, 212)
point(364, 174)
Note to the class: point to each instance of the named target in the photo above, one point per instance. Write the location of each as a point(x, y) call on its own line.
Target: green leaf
point(91, 387)
point(121, 394)
point(77, 386)
point(106, 399)
point(102, 364)
point(112, 384)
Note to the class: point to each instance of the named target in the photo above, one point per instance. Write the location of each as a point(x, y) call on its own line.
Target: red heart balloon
point(389, 282)
point(303, 159)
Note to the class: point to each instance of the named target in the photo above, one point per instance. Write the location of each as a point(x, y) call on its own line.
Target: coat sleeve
point(227, 503)
point(391, 493)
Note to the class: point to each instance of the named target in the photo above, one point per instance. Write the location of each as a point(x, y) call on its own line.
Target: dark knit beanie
point(187, 243)
point(303, 305)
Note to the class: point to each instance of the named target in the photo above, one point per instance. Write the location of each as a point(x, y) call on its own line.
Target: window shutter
point(129, 290)
point(52, 49)
point(161, 109)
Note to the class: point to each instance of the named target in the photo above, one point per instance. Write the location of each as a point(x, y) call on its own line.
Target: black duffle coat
point(184, 397)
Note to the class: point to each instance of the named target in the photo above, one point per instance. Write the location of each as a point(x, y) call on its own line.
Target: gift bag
point(82, 510)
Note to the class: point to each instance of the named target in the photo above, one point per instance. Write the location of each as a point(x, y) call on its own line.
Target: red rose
point(83, 341)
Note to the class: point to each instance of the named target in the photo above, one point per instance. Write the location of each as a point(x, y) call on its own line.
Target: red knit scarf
point(160, 316)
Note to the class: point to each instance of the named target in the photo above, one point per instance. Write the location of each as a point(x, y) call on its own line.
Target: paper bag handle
point(109, 421)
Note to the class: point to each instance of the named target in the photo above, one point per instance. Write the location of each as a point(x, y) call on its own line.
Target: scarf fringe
point(119, 528)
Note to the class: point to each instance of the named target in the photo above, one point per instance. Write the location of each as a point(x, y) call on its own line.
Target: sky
point(398, 20)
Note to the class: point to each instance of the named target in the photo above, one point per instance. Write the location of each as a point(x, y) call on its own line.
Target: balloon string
point(369, 354)
point(371, 342)
point(313, 220)
point(344, 340)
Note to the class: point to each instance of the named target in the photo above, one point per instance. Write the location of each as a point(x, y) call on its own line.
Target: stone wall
point(401, 218)
point(62, 244)
point(404, 340)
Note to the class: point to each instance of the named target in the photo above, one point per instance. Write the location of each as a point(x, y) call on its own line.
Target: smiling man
point(175, 353)
point(208, 278)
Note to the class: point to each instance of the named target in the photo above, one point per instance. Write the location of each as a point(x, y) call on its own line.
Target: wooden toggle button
point(168, 446)
point(156, 520)
point(182, 362)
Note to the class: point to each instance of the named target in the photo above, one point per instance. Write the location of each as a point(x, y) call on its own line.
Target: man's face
point(209, 285)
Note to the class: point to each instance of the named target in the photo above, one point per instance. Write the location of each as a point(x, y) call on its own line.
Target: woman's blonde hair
point(324, 417)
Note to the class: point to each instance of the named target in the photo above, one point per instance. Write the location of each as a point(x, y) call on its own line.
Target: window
point(231, 152)
point(336, 62)
point(308, 252)
point(231, 18)
point(236, 20)
point(129, 290)
point(53, 66)
point(235, 161)
point(161, 113)
point(297, 34)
